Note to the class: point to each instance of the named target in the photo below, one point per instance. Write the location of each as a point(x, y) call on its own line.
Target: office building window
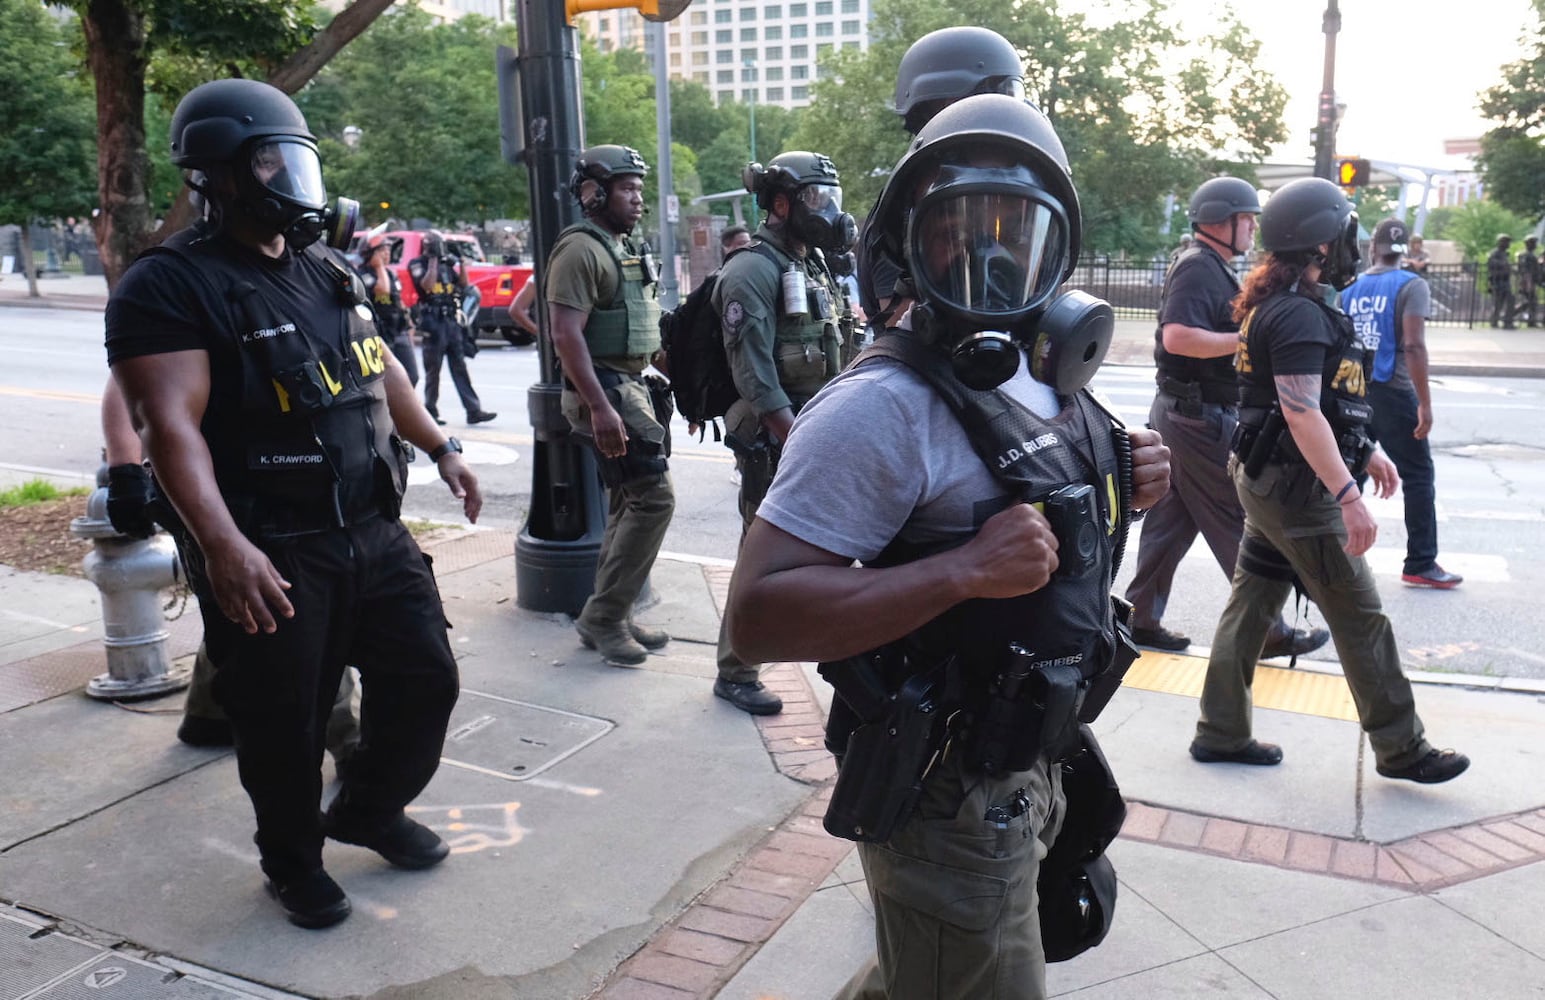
point(799, 30)
point(748, 75)
point(850, 6)
point(726, 95)
point(748, 13)
point(747, 55)
point(773, 52)
point(724, 56)
point(726, 76)
point(724, 36)
point(723, 16)
point(698, 17)
point(700, 57)
point(823, 8)
point(799, 52)
point(748, 94)
point(799, 72)
point(675, 60)
point(773, 12)
point(772, 32)
point(775, 93)
point(850, 27)
point(799, 10)
point(702, 78)
point(774, 73)
point(799, 93)
point(748, 34)
point(823, 29)
point(603, 25)
point(699, 38)
point(850, 45)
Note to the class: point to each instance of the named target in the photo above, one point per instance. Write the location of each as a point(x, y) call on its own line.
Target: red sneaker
point(1437, 578)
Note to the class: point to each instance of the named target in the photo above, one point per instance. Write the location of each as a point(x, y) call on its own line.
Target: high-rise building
point(748, 50)
point(451, 10)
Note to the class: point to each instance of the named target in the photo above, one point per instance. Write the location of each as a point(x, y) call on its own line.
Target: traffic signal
point(1353, 172)
point(653, 10)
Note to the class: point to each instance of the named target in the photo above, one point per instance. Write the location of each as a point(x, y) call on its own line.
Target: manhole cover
point(512, 739)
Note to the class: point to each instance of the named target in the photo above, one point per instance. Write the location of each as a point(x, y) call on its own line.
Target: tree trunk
point(25, 256)
point(116, 55)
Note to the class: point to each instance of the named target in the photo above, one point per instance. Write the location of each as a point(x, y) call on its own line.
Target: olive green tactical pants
point(954, 893)
point(1292, 510)
point(638, 510)
point(741, 421)
point(342, 723)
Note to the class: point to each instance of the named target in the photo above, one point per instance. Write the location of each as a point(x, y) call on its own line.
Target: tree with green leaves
point(1143, 109)
point(1512, 158)
point(46, 155)
point(1475, 225)
point(420, 94)
point(173, 45)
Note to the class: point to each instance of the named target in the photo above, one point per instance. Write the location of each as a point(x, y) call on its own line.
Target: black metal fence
point(1132, 288)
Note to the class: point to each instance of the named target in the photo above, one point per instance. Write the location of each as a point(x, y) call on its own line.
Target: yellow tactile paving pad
point(1306, 692)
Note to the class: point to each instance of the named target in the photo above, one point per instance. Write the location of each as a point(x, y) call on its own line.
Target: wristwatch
point(450, 445)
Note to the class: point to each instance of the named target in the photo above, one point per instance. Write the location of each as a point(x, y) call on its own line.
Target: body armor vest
point(1215, 374)
point(629, 325)
point(1070, 619)
point(386, 299)
point(307, 443)
point(435, 279)
point(799, 341)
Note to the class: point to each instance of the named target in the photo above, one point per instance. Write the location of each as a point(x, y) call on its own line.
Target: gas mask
point(281, 187)
point(816, 218)
point(986, 249)
point(1338, 268)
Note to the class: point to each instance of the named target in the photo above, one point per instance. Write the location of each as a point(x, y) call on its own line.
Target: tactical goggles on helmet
point(291, 170)
point(987, 243)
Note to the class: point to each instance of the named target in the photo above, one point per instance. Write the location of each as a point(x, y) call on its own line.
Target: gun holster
point(884, 758)
point(1030, 708)
point(1103, 686)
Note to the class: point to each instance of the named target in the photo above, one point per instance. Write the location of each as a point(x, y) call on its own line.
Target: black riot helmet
point(601, 164)
point(1220, 200)
point(1303, 215)
point(983, 212)
point(434, 244)
point(814, 191)
point(255, 133)
point(946, 65)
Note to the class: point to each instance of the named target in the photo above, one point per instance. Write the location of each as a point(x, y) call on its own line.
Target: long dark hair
point(1275, 272)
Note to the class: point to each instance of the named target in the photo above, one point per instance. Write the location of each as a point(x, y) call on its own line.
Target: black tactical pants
point(442, 342)
point(362, 595)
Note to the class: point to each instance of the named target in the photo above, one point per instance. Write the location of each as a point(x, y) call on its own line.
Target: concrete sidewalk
point(622, 833)
point(1453, 350)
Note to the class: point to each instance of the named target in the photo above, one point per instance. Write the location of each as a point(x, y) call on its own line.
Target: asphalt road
point(1489, 443)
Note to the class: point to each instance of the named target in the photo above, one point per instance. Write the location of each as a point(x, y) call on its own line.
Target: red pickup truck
point(497, 284)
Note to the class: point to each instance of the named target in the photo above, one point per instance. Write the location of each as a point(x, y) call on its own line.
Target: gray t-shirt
point(878, 454)
point(1414, 296)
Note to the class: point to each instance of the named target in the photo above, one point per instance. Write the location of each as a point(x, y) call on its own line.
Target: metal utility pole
point(557, 550)
point(1326, 119)
point(664, 179)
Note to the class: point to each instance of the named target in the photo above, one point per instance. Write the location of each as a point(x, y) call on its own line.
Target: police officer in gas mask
point(942, 535)
point(779, 305)
point(440, 279)
point(1301, 449)
point(276, 421)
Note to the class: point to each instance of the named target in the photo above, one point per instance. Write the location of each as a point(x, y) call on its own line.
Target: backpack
point(693, 342)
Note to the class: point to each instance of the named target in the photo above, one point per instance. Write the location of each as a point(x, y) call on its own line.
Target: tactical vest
point(386, 299)
point(308, 442)
point(1068, 626)
point(629, 325)
point(1370, 302)
point(435, 280)
point(1215, 375)
point(1343, 384)
point(814, 332)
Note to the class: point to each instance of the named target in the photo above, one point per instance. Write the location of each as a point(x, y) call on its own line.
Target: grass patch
point(37, 491)
point(418, 527)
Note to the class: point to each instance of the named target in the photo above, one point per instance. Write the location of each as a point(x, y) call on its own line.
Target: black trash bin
point(90, 260)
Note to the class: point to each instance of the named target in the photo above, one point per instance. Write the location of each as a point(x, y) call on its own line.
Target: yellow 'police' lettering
point(369, 355)
point(1349, 378)
point(284, 397)
point(1242, 352)
point(333, 385)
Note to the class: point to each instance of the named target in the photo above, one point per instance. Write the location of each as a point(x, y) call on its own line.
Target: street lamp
point(351, 135)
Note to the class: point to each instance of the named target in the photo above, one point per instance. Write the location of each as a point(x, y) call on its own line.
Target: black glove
point(128, 500)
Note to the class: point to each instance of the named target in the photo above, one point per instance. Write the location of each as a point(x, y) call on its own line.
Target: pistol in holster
point(885, 741)
point(758, 465)
point(1104, 685)
point(1255, 445)
point(1030, 708)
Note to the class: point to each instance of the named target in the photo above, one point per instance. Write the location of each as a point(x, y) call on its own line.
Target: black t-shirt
point(1288, 334)
point(1199, 292)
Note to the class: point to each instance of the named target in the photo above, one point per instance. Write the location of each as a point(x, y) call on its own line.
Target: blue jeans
point(1393, 423)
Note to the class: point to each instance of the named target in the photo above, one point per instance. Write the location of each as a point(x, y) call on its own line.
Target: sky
point(1408, 70)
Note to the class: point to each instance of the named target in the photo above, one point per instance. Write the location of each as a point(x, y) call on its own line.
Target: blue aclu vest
point(1370, 301)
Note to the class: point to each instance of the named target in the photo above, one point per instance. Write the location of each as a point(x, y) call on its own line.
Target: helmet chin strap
point(1233, 237)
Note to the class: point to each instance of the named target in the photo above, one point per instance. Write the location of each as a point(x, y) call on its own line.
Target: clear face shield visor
point(987, 250)
point(292, 170)
point(1011, 86)
point(824, 201)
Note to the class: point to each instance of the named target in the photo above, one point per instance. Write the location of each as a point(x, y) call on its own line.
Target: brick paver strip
point(1183, 829)
point(735, 926)
point(698, 946)
point(1309, 852)
point(1504, 849)
point(628, 988)
point(1352, 859)
point(1224, 836)
point(679, 973)
point(748, 901)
